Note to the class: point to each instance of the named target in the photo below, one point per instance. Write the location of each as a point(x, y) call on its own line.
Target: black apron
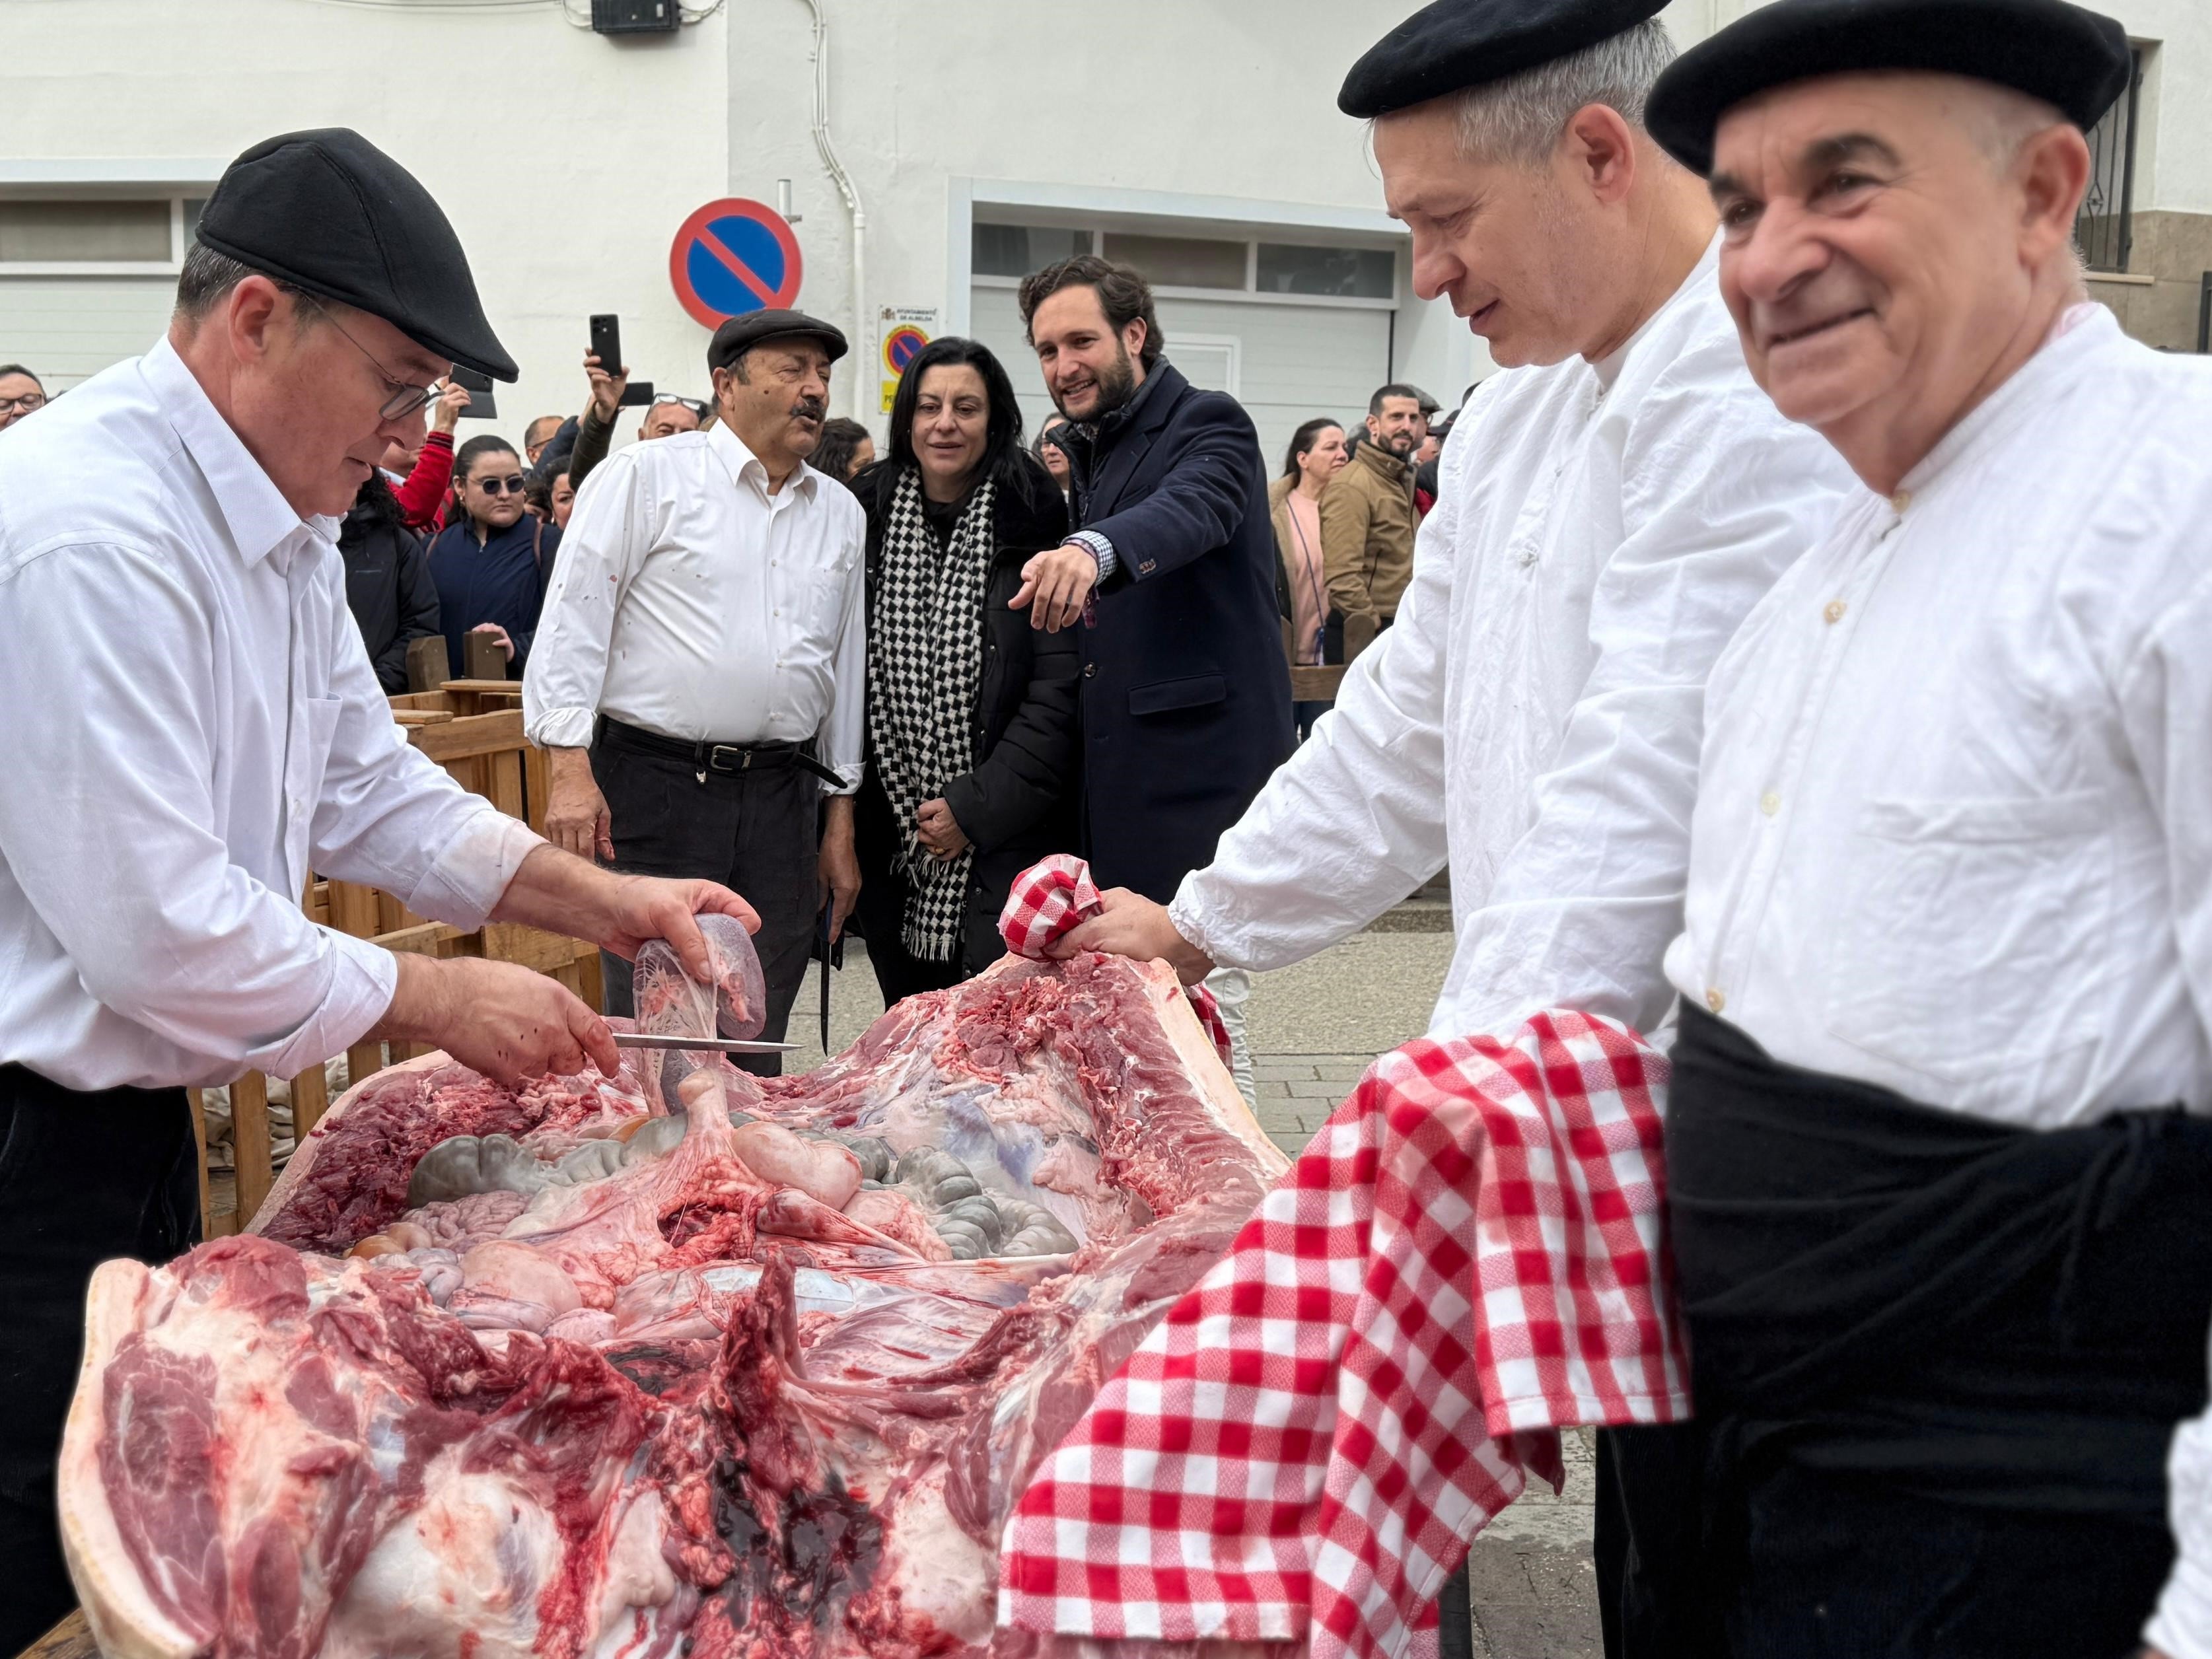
point(83, 1177)
point(1936, 1364)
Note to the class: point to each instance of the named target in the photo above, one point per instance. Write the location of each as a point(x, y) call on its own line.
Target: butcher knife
point(719, 1045)
point(831, 955)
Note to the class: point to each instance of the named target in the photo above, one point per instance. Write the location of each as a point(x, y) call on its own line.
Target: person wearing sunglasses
point(198, 727)
point(490, 561)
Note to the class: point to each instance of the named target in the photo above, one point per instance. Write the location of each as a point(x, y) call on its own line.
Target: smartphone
point(483, 406)
point(606, 341)
point(636, 394)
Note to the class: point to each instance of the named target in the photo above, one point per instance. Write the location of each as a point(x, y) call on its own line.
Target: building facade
point(927, 156)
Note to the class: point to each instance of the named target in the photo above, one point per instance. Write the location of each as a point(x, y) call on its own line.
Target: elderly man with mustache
point(700, 670)
point(1938, 1144)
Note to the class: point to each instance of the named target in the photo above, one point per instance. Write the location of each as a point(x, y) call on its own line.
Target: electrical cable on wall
point(863, 333)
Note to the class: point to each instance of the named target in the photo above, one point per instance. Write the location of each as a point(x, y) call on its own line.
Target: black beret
point(750, 329)
point(2074, 59)
point(1455, 43)
point(328, 212)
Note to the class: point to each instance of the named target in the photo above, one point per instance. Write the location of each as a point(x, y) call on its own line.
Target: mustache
point(811, 407)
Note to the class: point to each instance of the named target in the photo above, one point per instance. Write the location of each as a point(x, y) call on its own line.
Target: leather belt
point(726, 759)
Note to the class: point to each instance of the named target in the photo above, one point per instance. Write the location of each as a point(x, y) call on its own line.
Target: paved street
point(1315, 1028)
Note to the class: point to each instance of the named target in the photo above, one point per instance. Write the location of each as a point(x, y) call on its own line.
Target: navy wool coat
point(1186, 695)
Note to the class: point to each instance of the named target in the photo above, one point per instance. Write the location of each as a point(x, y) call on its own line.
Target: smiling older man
point(1938, 1143)
point(193, 725)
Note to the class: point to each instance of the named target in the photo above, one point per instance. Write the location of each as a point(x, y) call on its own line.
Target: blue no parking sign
point(732, 256)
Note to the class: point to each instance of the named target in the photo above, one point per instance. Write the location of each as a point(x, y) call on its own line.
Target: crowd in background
point(458, 542)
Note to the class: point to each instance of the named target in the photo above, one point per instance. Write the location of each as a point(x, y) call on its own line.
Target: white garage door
point(1285, 363)
point(67, 329)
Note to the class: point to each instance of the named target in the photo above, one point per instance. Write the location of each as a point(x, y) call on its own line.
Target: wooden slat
point(414, 717)
point(591, 979)
point(311, 1098)
point(424, 938)
point(249, 1142)
point(364, 1059)
point(1316, 684)
point(537, 785)
point(436, 700)
point(548, 953)
point(192, 1098)
point(476, 734)
point(482, 687)
point(70, 1639)
point(354, 909)
point(503, 783)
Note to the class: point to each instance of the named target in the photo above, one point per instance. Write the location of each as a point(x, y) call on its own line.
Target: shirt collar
point(738, 459)
point(260, 520)
point(2073, 338)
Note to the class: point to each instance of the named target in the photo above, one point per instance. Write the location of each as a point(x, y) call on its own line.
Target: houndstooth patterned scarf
point(925, 665)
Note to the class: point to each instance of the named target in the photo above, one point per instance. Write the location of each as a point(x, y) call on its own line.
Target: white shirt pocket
point(1970, 931)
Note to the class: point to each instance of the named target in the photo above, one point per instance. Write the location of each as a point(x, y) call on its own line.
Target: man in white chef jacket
point(1607, 511)
point(1938, 1143)
point(193, 725)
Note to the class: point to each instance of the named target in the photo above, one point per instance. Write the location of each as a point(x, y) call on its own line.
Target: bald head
point(1895, 244)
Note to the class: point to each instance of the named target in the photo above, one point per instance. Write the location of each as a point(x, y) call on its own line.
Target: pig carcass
point(683, 1361)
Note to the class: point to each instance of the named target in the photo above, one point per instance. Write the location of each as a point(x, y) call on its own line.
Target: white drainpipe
point(863, 358)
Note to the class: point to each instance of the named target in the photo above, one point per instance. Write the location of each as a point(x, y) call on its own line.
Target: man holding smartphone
point(700, 668)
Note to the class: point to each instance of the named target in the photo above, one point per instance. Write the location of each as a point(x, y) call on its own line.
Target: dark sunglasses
point(510, 486)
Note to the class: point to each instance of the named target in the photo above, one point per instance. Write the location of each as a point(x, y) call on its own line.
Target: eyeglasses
point(696, 405)
point(509, 486)
point(406, 399)
point(24, 404)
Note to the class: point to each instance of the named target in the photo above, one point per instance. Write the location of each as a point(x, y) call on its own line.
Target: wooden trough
point(473, 728)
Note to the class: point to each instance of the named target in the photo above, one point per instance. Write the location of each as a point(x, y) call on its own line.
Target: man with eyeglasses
point(21, 393)
point(195, 726)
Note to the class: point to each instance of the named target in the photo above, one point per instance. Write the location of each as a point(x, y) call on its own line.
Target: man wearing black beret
point(194, 725)
point(1939, 1137)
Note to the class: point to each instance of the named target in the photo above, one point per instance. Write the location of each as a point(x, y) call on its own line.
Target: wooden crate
point(474, 730)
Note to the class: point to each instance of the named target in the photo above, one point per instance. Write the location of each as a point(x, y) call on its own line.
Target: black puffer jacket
point(388, 586)
point(1020, 802)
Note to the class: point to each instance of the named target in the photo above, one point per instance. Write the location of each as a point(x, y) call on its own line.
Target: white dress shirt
point(691, 602)
point(193, 725)
point(1954, 833)
point(1533, 715)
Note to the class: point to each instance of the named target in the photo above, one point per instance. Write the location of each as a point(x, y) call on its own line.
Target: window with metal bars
point(2104, 229)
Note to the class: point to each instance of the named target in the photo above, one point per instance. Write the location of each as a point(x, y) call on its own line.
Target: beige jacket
point(1367, 522)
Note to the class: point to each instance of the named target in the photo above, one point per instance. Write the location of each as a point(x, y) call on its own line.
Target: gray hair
point(1521, 118)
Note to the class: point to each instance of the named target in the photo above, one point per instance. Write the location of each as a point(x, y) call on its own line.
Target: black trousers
point(1936, 1363)
point(83, 1178)
point(757, 832)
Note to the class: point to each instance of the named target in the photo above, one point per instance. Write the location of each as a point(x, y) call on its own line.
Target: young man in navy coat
point(1186, 693)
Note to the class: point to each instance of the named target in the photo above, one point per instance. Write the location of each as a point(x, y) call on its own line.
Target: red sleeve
point(423, 491)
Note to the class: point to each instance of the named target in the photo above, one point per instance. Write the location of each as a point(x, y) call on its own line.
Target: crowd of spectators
point(1061, 654)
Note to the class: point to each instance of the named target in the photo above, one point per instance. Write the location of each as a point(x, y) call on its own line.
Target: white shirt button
point(1900, 501)
point(1770, 803)
point(1715, 1000)
point(1833, 612)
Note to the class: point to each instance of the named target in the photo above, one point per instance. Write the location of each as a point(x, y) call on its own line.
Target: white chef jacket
point(1954, 833)
point(689, 601)
point(1533, 715)
point(192, 725)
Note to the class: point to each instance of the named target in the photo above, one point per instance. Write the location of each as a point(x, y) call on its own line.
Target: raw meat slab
point(633, 1369)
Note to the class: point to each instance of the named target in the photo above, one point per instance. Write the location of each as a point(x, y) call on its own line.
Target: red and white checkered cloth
point(1469, 1257)
point(1053, 896)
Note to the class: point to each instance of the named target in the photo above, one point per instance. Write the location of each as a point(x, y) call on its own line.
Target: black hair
point(6, 369)
point(1395, 389)
point(1301, 441)
point(1123, 294)
point(376, 495)
point(1005, 462)
point(840, 440)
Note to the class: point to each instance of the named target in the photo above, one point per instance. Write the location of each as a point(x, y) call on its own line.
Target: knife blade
point(719, 1045)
